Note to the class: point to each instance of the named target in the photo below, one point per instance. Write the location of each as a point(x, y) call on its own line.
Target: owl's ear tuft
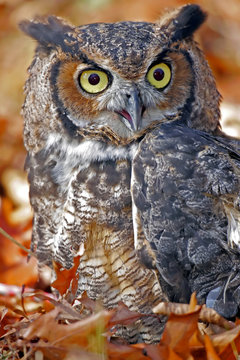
point(48, 31)
point(189, 19)
point(184, 21)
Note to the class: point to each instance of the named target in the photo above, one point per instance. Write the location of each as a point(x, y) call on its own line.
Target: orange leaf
point(179, 330)
point(123, 352)
point(211, 352)
point(3, 125)
point(24, 272)
point(228, 344)
point(64, 276)
point(196, 342)
point(161, 352)
point(193, 302)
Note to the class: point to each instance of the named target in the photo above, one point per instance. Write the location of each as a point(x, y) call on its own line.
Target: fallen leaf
point(207, 315)
point(124, 316)
point(161, 352)
point(211, 352)
point(123, 352)
point(87, 302)
point(227, 344)
point(64, 276)
point(79, 333)
point(178, 331)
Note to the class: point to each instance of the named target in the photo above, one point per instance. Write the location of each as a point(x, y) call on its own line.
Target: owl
point(98, 95)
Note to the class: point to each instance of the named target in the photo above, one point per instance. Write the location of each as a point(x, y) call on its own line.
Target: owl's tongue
point(132, 114)
point(127, 116)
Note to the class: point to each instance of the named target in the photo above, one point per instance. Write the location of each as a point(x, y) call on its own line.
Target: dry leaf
point(64, 276)
point(124, 316)
point(211, 352)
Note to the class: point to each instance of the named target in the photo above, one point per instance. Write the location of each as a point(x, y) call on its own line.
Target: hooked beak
point(132, 114)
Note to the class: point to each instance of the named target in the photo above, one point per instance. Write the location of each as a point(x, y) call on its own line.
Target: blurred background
point(219, 38)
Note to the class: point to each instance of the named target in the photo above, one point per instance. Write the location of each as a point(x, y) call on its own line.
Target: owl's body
point(93, 93)
point(80, 193)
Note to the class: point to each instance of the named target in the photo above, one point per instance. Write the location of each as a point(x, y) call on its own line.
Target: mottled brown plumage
point(93, 93)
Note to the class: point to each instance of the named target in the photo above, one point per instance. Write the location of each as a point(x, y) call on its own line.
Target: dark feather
point(189, 178)
point(189, 19)
point(48, 31)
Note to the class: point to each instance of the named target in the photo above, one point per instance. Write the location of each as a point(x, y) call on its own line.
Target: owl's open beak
point(132, 114)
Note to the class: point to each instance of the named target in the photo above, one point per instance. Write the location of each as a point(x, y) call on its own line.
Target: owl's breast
point(109, 268)
point(104, 190)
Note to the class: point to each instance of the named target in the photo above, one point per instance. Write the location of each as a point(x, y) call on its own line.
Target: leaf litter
point(39, 325)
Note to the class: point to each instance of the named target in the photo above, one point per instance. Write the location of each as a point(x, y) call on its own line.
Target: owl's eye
point(93, 81)
point(159, 75)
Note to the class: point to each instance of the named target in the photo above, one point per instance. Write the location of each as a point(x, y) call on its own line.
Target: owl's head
point(123, 76)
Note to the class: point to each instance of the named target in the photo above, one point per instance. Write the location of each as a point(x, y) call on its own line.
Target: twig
point(4, 233)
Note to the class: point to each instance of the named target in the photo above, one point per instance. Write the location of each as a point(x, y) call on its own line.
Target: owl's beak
point(132, 114)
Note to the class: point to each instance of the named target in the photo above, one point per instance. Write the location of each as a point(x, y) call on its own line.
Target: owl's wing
point(52, 212)
point(185, 190)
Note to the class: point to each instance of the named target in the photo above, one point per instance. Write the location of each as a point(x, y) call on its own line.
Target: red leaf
point(64, 276)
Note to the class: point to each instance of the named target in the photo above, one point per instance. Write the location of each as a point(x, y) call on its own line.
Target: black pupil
point(93, 79)
point(158, 74)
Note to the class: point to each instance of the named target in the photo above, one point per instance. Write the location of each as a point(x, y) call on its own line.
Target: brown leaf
point(211, 316)
point(227, 344)
point(168, 308)
point(86, 333)
point(124, 316)
point(206, 314)
point(49, 302)
point(60, 353)
point(87, 302)
point(123, 352)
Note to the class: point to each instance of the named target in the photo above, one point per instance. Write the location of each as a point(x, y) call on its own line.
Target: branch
point(4, 233)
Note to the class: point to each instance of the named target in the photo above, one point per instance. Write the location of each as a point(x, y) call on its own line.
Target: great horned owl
point(93, 93)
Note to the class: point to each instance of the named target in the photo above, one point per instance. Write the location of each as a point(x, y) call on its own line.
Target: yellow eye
point(159, 75)
point(93, 81)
